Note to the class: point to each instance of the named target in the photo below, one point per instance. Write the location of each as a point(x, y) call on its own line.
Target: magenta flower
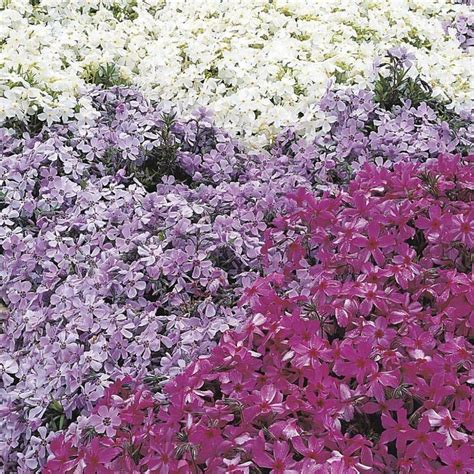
point(462, 228)
point(458, 460)
point(457, 348)
point(64, 455)
point(312, 451)
point(236, 466)
point(354, 458)
point(310, 353)
point(379, 331)
point(434, 224)
point(281, 462)
point(436, 392)
point(396, 430)
point(98, 455)
point(356, 361)
point(424, 440)
point(377, 382)
point(374, 243)
point(263, 402)
point(372, 296)
point(464, 414)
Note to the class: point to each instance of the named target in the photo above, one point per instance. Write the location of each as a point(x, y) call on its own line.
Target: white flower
point(50, 115)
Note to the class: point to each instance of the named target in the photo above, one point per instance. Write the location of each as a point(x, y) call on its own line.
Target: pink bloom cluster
point(355, 357)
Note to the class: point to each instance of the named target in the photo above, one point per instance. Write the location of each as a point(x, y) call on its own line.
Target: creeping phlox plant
point(397, 120)
point(355, 358)
point(119, 254)
point(257, 64)
point(126, 240)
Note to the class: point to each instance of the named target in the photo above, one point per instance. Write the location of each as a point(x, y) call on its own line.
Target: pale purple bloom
point(106, 420)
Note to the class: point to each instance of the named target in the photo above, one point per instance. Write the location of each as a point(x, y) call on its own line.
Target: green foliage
point(31, 124)
point(299, 89)
point(125, 13)
point(301, 36)
point(161, 160)
point(211, 72)
point(27, 76)
point(107, 75)
point(3, 205)
point(55, 416)
point(415, 40)
point(155, 382)
point(396, 86)
point(340, 77)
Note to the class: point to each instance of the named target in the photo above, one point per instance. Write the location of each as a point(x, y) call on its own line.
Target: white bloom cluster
point(258, 64)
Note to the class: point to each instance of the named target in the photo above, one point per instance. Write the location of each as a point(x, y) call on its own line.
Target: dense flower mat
point(258, 64)
point(133, 239)
point(356, 358)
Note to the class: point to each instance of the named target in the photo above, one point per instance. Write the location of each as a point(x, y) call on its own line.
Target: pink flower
point(377, 381)
point(451, 283)
point(105, 420)
point(65, 456)
point(162, 458)
point(464, 414)
point(379, 331)
point(373, 243)
point(397, 431)
point(434, 224)
point(423, 440)
point(236, 466)
point(309, 354)
point(435, 392)
point(98, 455)
point(383, 406)
point(312, 451)
point(457, 347)
point(446, 425)
point(263, 402)
point(372, 296)
point(348, 461)
point(281, 462)
point(356, 361)
point(462, 228)
point(404, 269)
point(458, 460)
point(209, 438)
point(325, 287)
point(234, 384)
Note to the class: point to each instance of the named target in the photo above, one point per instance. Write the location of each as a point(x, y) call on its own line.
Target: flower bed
point(128, 238)
point(356, 359)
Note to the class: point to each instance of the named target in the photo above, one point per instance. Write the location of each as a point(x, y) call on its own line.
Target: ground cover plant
point(356, 357)
point(129, 235)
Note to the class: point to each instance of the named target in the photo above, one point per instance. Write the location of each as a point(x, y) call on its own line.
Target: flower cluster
point(355, 357)
point(358, 131)
point(257, 64)
point(397, 120)
point(111, 265)
point(464, 27)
